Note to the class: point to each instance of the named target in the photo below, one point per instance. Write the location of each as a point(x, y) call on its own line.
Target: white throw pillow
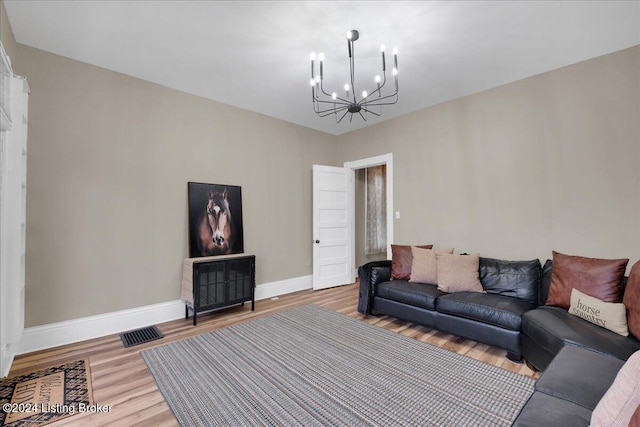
point(609, 315)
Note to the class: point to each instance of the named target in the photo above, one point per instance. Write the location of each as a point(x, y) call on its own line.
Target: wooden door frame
point(353, 166)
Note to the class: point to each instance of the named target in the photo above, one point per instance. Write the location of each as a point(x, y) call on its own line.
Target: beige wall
point(547, 163)
point(109, 161)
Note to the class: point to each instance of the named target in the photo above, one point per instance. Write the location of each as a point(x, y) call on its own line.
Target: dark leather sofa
point(494, 317)
point(511, 315)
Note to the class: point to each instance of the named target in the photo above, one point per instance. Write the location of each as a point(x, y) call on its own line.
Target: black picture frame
point(215, 206)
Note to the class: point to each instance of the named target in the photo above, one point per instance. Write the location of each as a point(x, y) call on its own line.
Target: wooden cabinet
point(211, 283)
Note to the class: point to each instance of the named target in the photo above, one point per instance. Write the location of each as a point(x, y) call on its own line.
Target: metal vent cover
point(140, 336)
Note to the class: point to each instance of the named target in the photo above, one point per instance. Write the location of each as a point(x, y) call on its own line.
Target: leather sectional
point(494, 317)
point(511, 314)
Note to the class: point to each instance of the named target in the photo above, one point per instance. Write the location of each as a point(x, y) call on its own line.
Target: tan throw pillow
point(458, 273)
point(424, 268)
point(620, 402)
point(632, 300)
point(600, 278)
point(401, 260)
point(609, 315)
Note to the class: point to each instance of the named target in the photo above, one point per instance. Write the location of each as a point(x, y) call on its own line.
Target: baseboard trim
point(70, 331)
point(86, 328)
point(282, 287)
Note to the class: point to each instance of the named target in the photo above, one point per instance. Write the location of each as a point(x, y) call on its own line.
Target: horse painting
point(215, 219)
point(215, 227)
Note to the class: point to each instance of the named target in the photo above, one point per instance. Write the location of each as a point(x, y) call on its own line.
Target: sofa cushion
point(424, 268)
point(496, 310)
point(458, 273)
point(600, 278)
point(416, 294)
point(623, 397)
point(401, 260)
point(545, 410)
point(553, 327)
point(608, 315)
point(631, 300)
point(545, 282)
point(518, 279)
point(579, 375)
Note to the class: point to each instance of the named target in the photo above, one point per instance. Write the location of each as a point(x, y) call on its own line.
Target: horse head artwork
point(215, 228)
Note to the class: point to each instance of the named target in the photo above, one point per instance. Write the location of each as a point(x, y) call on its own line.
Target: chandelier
point(325, 104)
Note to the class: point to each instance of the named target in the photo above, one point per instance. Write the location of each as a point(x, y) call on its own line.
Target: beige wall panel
point(546, 163)
point(109, 161)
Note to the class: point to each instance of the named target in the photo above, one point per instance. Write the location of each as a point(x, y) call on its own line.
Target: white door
point(332, 227)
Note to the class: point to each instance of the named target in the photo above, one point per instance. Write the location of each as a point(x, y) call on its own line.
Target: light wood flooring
point(121, 379)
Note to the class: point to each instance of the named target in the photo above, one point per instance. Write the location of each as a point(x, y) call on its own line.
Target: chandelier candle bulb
point(321, 59)
point(313, 57)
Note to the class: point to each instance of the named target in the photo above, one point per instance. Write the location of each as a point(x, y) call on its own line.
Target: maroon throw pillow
point(631, 300)
point(599, 278)
point(401, 261)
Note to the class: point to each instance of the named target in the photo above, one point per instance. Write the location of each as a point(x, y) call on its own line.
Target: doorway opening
point(358, 210)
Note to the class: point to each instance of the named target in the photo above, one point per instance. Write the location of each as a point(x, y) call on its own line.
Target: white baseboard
point(281, 287)
point(85, 328)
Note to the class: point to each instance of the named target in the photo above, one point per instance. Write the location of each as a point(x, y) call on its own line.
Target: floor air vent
point(140, 336)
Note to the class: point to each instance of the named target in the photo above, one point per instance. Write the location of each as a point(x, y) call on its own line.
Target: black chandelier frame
point(339, 106)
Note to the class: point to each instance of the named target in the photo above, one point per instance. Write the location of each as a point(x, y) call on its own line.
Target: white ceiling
point(255, 54)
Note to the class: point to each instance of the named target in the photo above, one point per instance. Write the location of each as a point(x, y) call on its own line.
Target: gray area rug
point(310, 366)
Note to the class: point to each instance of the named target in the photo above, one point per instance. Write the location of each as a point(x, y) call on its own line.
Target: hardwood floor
point(121, 378)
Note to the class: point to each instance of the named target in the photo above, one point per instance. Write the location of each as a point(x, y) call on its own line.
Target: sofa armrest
point(369, 276)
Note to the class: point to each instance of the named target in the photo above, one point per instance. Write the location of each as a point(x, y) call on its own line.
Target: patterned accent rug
point(45, 396)
point(312, 366)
